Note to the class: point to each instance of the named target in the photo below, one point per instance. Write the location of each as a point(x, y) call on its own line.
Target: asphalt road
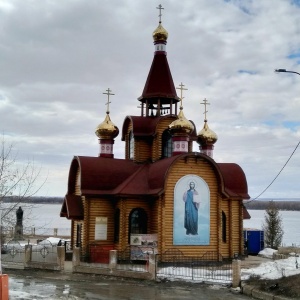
point(39, 284)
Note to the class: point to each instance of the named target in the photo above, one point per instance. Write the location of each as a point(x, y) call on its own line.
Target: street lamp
point(285, 71)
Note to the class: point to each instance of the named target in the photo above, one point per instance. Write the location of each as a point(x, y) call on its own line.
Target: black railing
point(207, 268)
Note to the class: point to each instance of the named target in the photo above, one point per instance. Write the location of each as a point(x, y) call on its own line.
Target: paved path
point(253, 261)
point(36, 284)
point(52, 285)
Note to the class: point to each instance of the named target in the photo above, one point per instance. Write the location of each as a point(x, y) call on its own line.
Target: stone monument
point(19, 224)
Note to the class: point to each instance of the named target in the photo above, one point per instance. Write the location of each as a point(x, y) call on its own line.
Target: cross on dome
point(205, 103)
point(181, 88)
point(160, 8)
point(108, 93)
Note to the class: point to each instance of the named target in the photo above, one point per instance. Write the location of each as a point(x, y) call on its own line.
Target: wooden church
point(161, 191)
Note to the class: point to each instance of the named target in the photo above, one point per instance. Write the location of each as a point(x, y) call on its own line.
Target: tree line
point(281, 205)
point(35, 200)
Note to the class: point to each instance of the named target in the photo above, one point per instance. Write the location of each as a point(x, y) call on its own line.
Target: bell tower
point(159, 95)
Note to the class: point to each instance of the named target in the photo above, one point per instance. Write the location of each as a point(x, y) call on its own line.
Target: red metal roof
point(142, 126)
point(109, 177)
point(120, 177)
point(246, 215)
point(72, 208)
point(159, 81)
point(146, 126)
point(99, 175)
point(235, 183)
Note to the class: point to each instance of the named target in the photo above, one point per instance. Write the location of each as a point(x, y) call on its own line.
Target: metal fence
point(44, 252)
point(172, 264)
point(13, 251)
point(211, 267)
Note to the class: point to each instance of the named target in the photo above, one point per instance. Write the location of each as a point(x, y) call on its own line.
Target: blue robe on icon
point(191, 212)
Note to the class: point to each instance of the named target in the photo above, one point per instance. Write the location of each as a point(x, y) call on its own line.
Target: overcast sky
point(58, 57)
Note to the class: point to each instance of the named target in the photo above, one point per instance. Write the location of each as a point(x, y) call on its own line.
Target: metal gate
point(211, 267)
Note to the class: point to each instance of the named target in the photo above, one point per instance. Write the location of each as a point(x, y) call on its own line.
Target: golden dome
point(182, 125)
point(160, 34)
point(107, 129)
point(206, 136)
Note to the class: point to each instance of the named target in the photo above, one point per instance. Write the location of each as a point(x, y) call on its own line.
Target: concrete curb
point(252, 291)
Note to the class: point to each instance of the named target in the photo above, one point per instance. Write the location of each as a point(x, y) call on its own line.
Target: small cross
point(108, 93)
point(181, 88)
point(205, 103)
point(160, 8)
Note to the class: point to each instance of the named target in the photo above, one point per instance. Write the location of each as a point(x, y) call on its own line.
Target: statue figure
point(19, 214)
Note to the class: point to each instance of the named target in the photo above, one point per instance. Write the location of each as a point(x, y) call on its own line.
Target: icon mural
point(191, 223)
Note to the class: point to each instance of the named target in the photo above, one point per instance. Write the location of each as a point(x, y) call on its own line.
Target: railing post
point(192, 270)
point(113, 254)
point(76, 257)
point(151, 266)
point(236, 273)
point(28, 254)
point(61, 257)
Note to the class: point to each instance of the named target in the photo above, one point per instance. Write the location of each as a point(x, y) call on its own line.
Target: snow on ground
point(52, 240)
point(267, 252)
point(274, 269)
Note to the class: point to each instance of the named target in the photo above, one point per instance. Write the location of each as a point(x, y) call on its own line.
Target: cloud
point(57, 59)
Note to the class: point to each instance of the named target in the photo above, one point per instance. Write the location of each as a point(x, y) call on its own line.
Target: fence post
point(76, 257)
point(28, 254)
point(236, 273)
point(113, 254)
point(4, 291)
point(151, 266)
point(61, 257)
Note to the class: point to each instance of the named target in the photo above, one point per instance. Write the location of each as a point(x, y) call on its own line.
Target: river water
point(290, 224)
point(45, 217)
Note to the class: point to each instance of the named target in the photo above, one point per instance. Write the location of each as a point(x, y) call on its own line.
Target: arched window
point(137, 222)
point(223, 227)
point(167, 144)
point(131, 145)
point(117, 225)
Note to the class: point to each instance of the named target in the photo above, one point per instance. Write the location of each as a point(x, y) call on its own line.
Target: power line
point(277, 174)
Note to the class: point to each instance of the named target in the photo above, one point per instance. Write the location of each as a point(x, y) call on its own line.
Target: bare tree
point(18, 183)
point(273, 226)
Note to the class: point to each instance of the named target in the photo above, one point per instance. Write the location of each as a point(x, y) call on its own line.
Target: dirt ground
point(65, 285)
point(286, 286)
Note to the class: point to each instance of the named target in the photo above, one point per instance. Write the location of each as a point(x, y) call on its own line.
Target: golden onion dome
point(206, 136)
point(107, 129)
point(181, 125)
point(160, 34)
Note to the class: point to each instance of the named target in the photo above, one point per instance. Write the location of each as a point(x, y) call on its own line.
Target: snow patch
point(267, 252)
point(274, 269)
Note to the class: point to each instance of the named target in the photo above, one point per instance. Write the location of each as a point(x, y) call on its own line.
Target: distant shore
point(35, 200)
point(289, 205)
point(282, 204)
